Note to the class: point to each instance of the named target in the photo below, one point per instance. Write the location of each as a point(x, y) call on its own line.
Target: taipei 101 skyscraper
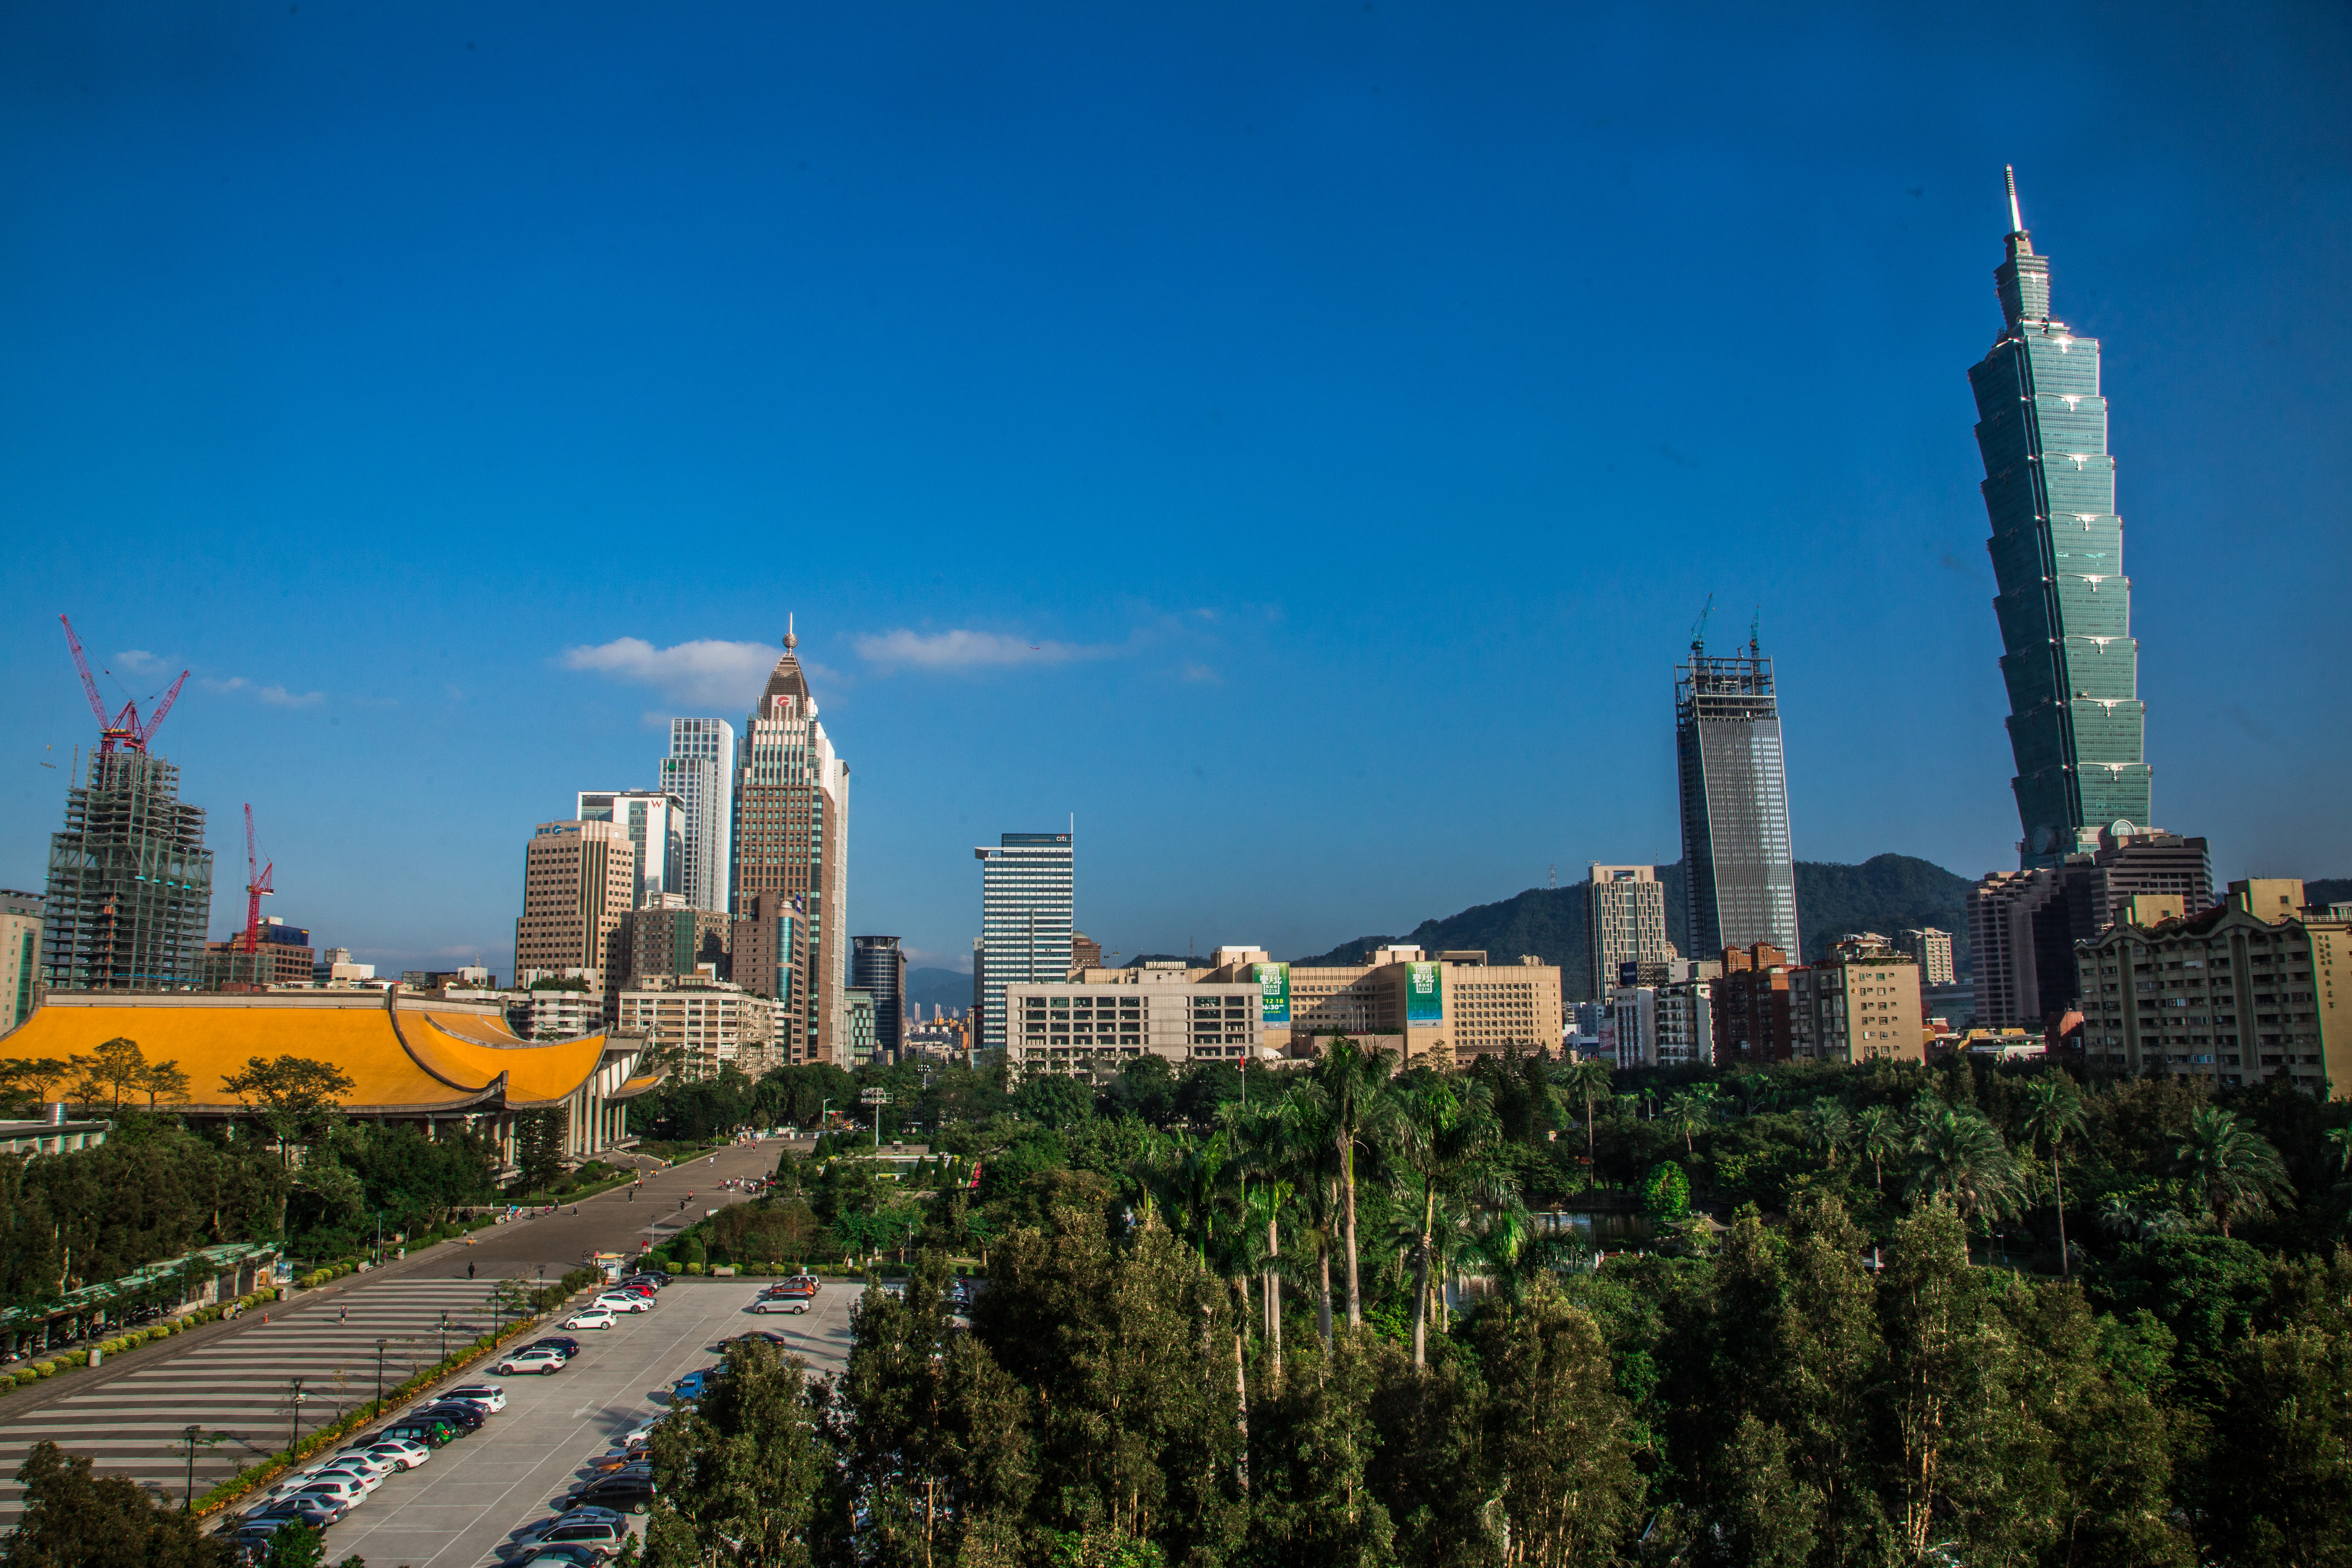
point(2075, 721)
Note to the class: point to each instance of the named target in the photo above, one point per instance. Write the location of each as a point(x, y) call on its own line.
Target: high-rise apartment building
point(1931, 950)
point(580, 882)
point(20, 956)
point(1625, 918)
point(2075, 721)
point(1861, 1003)
point(281, 956)
point(701, 771)
point(1739, 875)
point(877, 968)
point(656, 823)
point(792, 842)
point(2234, 993)
point(1751, 1006)
point(1027, 919)
point(131, 882)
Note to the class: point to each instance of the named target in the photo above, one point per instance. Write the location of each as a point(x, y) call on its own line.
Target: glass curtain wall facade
point(131, 882)
point(701, 771)
point(657, 826)
point(792, 840)
point(2075, 722)
point(877, 968)
point(1740, 876)
point(1027, 918)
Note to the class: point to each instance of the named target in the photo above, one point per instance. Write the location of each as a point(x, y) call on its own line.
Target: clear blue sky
point(1354, 403)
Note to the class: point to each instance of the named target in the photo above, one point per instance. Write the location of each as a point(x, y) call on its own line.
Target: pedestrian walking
point(469, 1271)
point(343, 1315)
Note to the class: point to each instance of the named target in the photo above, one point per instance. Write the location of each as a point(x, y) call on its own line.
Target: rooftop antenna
point(791, 641)
point(1699, 627)
point(2016, 222)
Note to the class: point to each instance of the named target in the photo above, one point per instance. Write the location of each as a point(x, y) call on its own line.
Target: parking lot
point(466, 1505)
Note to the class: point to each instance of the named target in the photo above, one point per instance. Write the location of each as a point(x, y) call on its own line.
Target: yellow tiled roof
point(428, 1060)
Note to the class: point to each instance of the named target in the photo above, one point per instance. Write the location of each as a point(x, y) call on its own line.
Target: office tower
point(281, 956)
point(1027, 910)
point(769, 953)
point(131, 882)
point(20, 955)
point(857, 1011)
point(671, 938)
point(2076, 719)
point(792, 838)
point(579, 883)
point(701, 771)
point(656, 823)
point(1625, 911)
point(1931, 950)
point(1086, 953)
point(877, 968)
point(1739, 881)
point(2024, 926)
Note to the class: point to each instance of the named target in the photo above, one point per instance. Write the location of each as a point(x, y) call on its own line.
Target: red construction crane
point(124, 728)
point(256, 882)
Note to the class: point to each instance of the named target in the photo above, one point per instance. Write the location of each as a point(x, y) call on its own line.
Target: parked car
point(488, 1394)
point(794, 1304)
point(560, 1344)
point(764, 1336)
point(367, 1475)
point(348, 1490)
point(631, 1467)
point(624, 1490)
point(524, 1361)
point(650, 1276)
point(694, 1384)
point(623, 1301)
point(430, 1434)
point(592, 1318)
point(316, 1512)
point(589, 1526)
point(469, 1417)
point(569, 1554)
point(401, 1451)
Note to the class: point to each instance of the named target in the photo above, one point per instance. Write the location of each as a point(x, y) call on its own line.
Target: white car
point(592, 1318)
point(360, 1460)
point(348, 1490)
point(623, 1301)
point(367, 1478)
point(541, 1362)
point(404, 1452)
point(489, 1396)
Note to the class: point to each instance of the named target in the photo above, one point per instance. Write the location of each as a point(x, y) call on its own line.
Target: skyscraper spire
point(791, 641)
point(2016, 222)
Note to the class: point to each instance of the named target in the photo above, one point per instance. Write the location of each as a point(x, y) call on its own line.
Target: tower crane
point(124, 730)
point(1698, 626)
point(256, 883)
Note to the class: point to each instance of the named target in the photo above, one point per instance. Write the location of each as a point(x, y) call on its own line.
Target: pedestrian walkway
point(238, 1388)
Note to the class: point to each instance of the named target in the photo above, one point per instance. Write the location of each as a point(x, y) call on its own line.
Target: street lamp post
point(294, 1417)
point(444, 1336)
point(379, 1375)
point(189, 1500)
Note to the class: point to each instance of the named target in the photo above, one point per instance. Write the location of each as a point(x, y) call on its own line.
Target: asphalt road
point(466, 1504)
point(233, 1380)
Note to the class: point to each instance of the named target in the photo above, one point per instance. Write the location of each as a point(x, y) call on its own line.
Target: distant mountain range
point(942, 987)
point(1885, 893)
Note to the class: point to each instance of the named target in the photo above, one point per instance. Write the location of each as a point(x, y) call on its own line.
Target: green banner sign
point(1273, 992)
point(1424, 994)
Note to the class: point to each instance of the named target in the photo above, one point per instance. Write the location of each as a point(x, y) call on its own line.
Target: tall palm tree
point(2053, 1111)
point(1687, 1112)
point(1828, 1127)
point(1586, 1079)
point(1880, 1135)
point(1957, 1155)
point(1305, 1155)
point(2231, 1167)
point(1445, 1141)
point(1351, 1079)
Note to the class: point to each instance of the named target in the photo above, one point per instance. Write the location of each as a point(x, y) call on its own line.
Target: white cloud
point(139, 661)
point(1200, 672)
point(278, 696)
point(233, 683)
point(904, 649)
point(706, 673)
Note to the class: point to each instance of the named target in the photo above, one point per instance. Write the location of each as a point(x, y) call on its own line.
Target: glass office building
point(700, 771)
point(1027, 917)
point(1740, 878)
point(2075, 722)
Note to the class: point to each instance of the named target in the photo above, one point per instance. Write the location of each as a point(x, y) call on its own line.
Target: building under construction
point(131, 882)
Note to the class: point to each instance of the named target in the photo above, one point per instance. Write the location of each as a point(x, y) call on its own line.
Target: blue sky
point(1353, 404)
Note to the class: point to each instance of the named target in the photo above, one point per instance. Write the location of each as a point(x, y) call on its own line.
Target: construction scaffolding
point(131, 882)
